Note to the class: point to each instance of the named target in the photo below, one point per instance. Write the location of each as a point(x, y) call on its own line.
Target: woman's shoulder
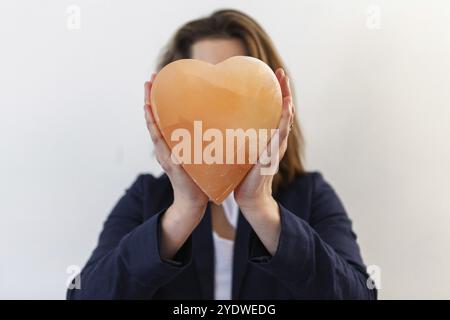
point(313, 189)
point(311, 180)
point(149, 184)
point(150, 193)
point(148, 179)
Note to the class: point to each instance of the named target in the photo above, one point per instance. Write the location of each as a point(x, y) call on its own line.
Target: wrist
point(177, 223)
point(188, 208)
point(259, 206)
point(258, 202)
point(179, 217)
point(265, 219)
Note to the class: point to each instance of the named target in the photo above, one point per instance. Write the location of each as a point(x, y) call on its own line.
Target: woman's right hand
point(186, 192)
point(190, 201)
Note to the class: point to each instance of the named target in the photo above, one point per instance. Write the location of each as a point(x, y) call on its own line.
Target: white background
point(373, 98)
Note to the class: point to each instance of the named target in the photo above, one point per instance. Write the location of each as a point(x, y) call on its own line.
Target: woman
point(285, 236)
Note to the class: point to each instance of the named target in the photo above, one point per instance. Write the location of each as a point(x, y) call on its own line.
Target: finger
point(285, 120)
point(279, 73)
point(151, 124)
point(288, 86)
point(161, 149)
point(149, 117)
point(147, 91)
point(287, 117)
point(285, 88)
point(148, 87)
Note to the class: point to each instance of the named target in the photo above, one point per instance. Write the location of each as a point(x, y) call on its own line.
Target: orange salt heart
point(238, 93)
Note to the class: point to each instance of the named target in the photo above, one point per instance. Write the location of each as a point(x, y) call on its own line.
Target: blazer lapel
point(240, 259)
point(203, 255)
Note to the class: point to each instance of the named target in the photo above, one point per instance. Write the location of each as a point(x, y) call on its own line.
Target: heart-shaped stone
point(194, 96)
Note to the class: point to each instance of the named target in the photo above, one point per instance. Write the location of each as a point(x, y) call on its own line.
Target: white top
point(223, 267)
point(223, 253)
point(231, 209)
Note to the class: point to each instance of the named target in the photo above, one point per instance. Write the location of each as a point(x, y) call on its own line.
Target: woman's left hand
point(254, 193)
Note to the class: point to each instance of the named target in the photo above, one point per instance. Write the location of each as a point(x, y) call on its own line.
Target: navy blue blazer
point(317, 255)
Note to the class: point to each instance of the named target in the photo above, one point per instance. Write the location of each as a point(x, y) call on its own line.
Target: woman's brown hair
point(235, 24)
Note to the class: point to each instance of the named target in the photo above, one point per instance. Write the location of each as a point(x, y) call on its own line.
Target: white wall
point(374, 103)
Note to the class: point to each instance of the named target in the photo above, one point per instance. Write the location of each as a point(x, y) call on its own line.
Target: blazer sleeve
point(126, 263)
point(319, 259)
